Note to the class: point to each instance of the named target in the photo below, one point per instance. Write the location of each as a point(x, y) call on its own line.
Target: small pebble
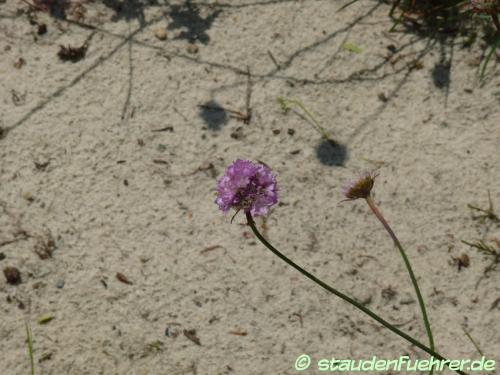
point(160, 33)
point(28, 196)
point(2, 256)
point(192, 48)
point(392, 48)
point(60, 284)
point(19, 63)
point(38, 285)
point(12, 275)
point(291, 132)
point(366, 300)
point(42, 29)
point(382, 97)
point(463, 261)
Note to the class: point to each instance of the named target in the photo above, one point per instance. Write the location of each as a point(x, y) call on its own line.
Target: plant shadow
point(214, 115)
point(446, 21)
point(188, 18)
point(129, 9)
point(331, 153)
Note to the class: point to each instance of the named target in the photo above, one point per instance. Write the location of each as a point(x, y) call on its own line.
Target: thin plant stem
point(346, 298)
point(29, 340)
point(347, 5)
point(285, 103)
point(490, 55)
point(473, 342)
point(381, 218)
point(496, 22)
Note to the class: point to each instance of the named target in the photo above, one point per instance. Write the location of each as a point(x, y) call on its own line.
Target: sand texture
point(108, 168)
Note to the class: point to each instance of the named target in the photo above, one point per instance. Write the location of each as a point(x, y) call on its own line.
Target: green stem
point(427, 324)
point(29, 340)
point(473, 342)
point(285, 102)
point(496, 22)
point(346, 298)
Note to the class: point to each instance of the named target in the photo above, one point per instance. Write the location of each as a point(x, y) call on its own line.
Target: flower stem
point(427, 324)
point(285, 103)
point(29, 341)
point(346, 298)
point(496, 22)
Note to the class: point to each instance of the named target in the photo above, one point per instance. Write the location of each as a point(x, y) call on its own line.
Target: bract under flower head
point(247, 186)
point(360, 187)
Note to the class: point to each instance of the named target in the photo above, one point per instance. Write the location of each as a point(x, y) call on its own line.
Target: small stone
point(192, 48)
point(388, 293)
point(2, 256)
point(161, 33)
point(28, 196)
point(463, 261)
point(366, 300)
point(42, 29)
point(291, 131)
point(60, 284)
point(237, 133)
point(38, 285)
point(12, 275)
point(19, 63)
point(382, 97)
point(276, 131)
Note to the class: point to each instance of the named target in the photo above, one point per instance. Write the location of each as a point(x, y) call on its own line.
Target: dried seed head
point(360, 187)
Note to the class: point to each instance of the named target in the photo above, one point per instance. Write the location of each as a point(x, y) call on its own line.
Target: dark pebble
point(42, 29)
point(12, 275)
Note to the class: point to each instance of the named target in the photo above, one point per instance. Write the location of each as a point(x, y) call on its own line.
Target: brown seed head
point(361, 187)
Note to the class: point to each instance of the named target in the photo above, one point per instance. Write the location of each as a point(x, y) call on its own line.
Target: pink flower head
point(360, 187)
point(247, 186)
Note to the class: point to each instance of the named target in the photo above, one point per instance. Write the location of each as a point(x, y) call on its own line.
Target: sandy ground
point(108, 165)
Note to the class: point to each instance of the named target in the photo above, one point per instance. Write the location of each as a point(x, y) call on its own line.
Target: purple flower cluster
point(247, 186)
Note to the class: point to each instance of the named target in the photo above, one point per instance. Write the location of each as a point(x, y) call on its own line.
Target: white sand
point(439, 148)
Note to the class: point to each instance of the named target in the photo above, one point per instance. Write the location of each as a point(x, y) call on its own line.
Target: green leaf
point(44, 319)
point(351, 48)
